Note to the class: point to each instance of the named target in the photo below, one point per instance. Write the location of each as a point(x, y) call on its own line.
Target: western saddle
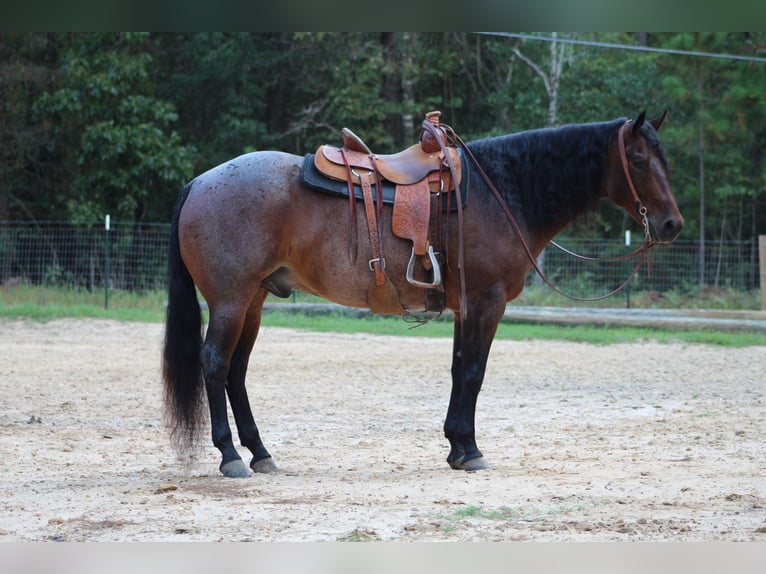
point(424, 175)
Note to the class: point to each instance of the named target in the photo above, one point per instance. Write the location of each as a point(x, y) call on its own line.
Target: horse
point(250, 227)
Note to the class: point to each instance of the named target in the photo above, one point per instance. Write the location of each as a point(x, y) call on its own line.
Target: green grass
point(450, 522)
point(511, 331)
point(43, 304)
point(47, 303)
point(359, 535)
point(456, 519)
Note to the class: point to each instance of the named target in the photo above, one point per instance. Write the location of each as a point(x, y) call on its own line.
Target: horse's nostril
point(672, 228)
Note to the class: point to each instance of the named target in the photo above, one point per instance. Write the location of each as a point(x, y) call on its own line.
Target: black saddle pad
point(314, 179)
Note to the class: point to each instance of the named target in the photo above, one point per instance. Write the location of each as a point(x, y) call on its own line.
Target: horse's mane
point(548, 176)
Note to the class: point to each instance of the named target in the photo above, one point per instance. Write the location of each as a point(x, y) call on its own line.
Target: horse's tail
point(181, 364)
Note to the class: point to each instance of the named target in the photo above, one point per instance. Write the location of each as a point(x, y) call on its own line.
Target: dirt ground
point(624, 442)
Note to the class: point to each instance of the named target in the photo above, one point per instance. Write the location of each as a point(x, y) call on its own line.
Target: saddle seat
point(406, 167)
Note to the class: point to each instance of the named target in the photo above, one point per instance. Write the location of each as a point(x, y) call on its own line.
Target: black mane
point(548, 176)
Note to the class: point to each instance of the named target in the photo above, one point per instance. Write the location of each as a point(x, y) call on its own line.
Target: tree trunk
point(392, 83)
point(408, 83)
point(701, 156)
point(551, 80)
point(757, 167)
point(719, 260)
point(557, 61)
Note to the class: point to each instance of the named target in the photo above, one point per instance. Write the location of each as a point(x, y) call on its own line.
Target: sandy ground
point(589, 443)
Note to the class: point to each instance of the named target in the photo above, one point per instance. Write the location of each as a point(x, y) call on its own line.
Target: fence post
point(106, 263)
point(762, 260)
point(627, 288)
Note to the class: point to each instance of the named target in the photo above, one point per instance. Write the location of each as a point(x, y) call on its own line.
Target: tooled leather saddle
point(419, 181)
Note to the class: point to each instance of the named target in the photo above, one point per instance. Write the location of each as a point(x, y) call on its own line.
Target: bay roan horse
point(249, 227)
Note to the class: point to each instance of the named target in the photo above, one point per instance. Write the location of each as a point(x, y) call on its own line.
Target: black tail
point(181, 365)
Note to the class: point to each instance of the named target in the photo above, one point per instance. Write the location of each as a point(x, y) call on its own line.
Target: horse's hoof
point(264, 466)
point(479, 463)
point(235, 469)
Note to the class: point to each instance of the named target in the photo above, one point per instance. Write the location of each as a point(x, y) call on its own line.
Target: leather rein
point(641, 211)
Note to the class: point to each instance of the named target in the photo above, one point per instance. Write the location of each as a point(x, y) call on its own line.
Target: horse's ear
point(657, 123)
point(639, 122)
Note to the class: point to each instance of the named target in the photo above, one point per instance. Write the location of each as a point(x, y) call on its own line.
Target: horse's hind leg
point(240, 405)
point(223, 334)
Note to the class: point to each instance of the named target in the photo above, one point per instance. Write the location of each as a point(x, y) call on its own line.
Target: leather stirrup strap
point(376, 263)
point(354, 239)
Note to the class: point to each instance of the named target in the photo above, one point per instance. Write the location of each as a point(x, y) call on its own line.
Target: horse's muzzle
point(668, 229)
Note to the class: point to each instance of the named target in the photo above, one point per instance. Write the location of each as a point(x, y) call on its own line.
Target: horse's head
point(638, 179)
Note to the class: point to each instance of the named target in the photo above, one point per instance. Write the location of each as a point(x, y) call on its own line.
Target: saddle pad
point(312, 178)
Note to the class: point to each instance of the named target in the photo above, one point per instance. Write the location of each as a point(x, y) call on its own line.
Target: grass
point(453, 520)
point(601, 335)
point(359, 535)
point(44, 303)
point(47, 303)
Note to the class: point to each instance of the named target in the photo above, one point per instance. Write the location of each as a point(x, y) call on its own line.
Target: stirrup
point(434, 263)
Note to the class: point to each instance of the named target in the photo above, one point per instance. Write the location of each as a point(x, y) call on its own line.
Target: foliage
point(114, 137)
point(117, 122)
point(125, 133)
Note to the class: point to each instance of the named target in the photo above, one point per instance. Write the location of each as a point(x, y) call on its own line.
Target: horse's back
point(244, 180)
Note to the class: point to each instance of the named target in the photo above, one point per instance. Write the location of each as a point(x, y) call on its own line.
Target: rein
point(641, 210)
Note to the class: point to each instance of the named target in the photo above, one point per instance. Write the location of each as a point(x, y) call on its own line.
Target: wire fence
point(683, 266)
point(133, 257)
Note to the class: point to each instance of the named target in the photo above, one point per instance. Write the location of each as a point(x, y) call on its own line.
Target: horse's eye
point(639, 161)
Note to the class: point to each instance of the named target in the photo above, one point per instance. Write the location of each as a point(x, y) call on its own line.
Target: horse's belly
point(334, 277)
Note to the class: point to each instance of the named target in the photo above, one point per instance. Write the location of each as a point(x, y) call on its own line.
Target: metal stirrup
point(434, 263)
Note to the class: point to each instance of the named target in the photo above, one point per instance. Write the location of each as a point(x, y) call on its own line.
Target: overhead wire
point(596, 44)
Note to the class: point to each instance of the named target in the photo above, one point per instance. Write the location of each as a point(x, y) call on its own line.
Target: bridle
point(640, 207)
point(641, 210)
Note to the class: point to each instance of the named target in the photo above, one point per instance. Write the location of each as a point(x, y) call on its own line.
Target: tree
point(91, 123)
point(114, 136)
point(720, 138)
point(29, 173)
point(557, 56)
point(221, 84)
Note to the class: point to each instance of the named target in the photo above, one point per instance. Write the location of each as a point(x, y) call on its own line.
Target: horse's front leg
point(472, 341)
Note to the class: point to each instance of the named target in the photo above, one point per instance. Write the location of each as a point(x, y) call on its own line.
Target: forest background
point(97, 123)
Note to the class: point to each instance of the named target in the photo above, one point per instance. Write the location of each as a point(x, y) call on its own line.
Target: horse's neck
point(548, 177)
